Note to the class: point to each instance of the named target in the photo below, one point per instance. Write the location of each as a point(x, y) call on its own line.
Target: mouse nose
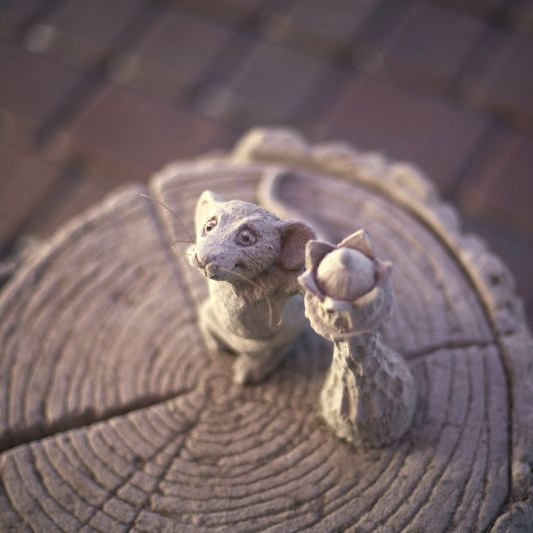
point(205, 259)
point(208, 264)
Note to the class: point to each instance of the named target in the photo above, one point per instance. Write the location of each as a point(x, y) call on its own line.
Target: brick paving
point(427, 129)
point(423, 44)
point(97, 94)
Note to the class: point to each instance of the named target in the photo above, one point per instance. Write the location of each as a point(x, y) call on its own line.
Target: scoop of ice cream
point(345, 274)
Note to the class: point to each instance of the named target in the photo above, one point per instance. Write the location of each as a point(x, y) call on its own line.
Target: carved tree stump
point(114, 416)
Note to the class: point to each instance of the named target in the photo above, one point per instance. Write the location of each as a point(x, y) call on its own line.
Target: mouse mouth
point(218, 273)
point(215, 272)
point(211, 271)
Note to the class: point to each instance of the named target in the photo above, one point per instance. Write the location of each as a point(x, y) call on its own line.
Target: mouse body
point(252, 260)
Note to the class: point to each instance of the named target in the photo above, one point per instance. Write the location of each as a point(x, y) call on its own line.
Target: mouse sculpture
point(254, 263)
point(369, 395)
point(252, 260)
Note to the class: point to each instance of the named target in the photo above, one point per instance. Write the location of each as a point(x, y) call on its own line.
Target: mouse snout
point(204, 259)
point(209, 263)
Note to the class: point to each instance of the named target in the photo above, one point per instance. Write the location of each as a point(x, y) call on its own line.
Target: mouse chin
point(211, 274)
point(215, 273)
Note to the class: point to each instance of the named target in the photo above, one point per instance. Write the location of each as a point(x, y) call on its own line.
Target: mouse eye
point(246, 238)
point(210, 225)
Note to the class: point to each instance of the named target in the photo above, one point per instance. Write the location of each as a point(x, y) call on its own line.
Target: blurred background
point(97, 93)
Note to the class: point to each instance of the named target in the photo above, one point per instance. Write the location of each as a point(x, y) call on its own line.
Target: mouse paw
point(253, 369)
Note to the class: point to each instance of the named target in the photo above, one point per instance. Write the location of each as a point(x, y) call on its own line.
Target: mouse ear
point(205, 203)
point(294, 236)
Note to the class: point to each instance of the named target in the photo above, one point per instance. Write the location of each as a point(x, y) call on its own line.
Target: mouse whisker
point(258, 286)
point(271, 310)
point(179, 253)
point(183, 242)
point(191, 240)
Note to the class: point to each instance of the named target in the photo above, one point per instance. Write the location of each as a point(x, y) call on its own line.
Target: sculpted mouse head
point(236, 239)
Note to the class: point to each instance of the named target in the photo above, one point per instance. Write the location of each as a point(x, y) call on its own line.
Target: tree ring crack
point(87, 418)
